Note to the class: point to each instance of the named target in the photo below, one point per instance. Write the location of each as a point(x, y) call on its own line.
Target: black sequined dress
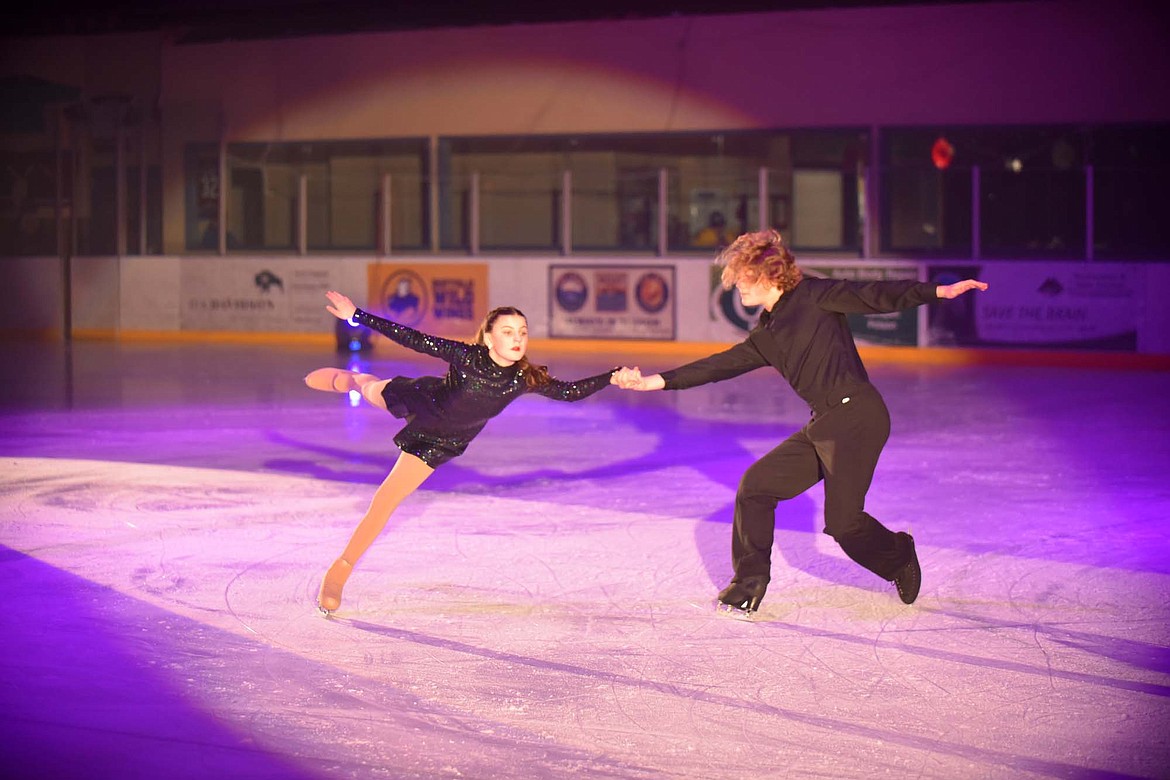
point(445, 413)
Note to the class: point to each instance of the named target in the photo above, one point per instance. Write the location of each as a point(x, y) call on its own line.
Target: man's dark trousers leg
point(842, 447)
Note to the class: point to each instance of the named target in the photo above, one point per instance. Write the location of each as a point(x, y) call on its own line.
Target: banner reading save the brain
point(612, 301)
point(1041, 305)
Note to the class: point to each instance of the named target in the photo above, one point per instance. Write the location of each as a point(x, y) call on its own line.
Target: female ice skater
point(443, 414)
point(803, 334)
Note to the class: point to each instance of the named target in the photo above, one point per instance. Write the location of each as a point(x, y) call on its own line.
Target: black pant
point(840, 445)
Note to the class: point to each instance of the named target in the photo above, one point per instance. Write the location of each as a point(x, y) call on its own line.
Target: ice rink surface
point(543, 606)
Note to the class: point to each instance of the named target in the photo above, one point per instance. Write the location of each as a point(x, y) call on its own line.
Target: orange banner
point(445, 299)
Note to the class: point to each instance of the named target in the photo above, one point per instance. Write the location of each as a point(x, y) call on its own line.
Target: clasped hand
point(630, 379)
point(626, 377)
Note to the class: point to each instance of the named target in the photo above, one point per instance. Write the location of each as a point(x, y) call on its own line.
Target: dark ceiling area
point(205, 21)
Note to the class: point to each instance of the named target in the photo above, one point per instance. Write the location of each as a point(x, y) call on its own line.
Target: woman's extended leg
point(408, 473)
point(338, 380)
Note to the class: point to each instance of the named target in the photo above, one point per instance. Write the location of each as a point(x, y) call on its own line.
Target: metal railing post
point(142, 184)
point(663, 239)
point(303, 214)
point(976, 217)
point(221, 210)
point(1089, 207)
point(384, 244)
point(871, 211)
point(433, 194)
point(473, 216)
point(119, 188)
point(762, 215)
point(567, 212)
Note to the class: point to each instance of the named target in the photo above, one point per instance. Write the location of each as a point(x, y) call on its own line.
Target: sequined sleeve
point(446, 349)
point(575, 391)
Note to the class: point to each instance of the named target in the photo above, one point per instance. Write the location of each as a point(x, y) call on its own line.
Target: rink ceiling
point(542, 607)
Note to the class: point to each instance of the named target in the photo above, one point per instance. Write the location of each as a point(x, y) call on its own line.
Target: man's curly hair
point(759, 255)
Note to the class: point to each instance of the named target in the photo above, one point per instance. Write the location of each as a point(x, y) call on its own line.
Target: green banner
point(899, 329)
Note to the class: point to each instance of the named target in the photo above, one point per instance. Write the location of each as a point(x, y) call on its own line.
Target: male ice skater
point(803, 333)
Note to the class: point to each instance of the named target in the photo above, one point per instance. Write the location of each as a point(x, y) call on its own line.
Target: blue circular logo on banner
point(571, 291)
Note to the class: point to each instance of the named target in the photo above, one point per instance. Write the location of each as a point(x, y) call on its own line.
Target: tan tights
point(338, 380)
point(408, 473)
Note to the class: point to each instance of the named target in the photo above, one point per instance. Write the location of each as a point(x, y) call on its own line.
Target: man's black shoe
point(908, 579)
point(746, 595)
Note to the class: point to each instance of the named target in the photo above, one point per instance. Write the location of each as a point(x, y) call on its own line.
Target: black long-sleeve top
point(806, 337)
point(475, 388)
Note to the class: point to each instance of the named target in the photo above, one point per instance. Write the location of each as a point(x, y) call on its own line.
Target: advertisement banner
point(731, 320)
point(899, 328)
point(253, 294)
point(445, 299)
point(1042, 305)
point(612, 301)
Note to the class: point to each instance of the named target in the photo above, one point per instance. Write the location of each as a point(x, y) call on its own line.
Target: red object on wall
point(942, 153)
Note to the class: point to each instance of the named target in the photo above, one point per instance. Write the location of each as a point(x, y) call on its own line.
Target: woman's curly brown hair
point(759, 255)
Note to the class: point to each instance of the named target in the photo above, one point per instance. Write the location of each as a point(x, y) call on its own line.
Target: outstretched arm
point(881, 296)
point(958, 288)
point(559, 390)
point(449, 350)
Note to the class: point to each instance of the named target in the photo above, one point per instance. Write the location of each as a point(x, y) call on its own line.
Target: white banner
point(255, 294)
